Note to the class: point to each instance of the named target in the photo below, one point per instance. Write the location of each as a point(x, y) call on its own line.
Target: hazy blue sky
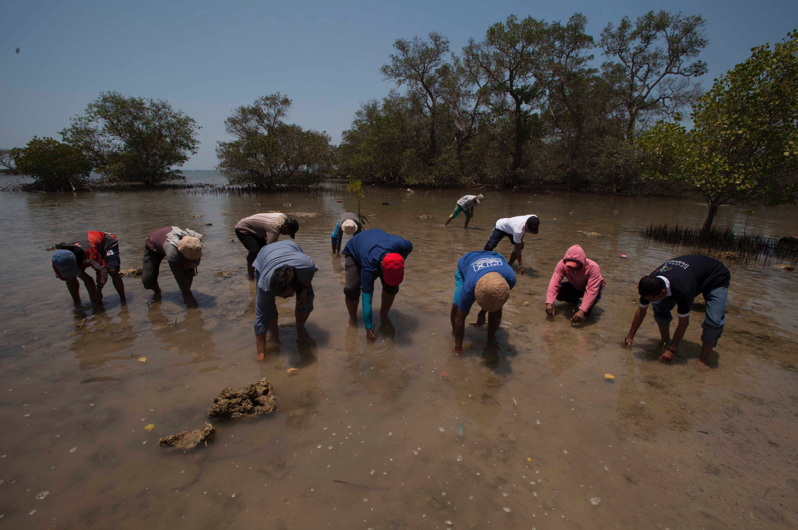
point(207, 58)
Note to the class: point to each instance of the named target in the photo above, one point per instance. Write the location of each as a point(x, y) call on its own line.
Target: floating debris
point(292, 371)
point(149, 427)
point(131, 273)
point(42, 495)
point(142, 359)
point(609, 376)
point(305, 215)
point(226, 273)
point(595, 501)
point(425, 217)
point(188, 439)
point(254, 400)
point(588, 234)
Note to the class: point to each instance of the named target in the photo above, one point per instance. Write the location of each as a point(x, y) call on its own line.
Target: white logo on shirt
point(486, 262)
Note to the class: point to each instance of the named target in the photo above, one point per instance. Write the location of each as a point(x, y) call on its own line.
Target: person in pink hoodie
point(584, 281)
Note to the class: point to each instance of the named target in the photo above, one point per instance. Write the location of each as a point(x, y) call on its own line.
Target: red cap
point(393, 269)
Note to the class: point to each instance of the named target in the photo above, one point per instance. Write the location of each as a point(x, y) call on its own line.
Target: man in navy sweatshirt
point(369, 255)
point(676, 283)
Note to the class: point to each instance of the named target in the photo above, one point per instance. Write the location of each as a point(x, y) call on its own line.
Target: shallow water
point(543, 431)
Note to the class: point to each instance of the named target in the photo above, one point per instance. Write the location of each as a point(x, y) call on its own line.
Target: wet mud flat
point(399, 433)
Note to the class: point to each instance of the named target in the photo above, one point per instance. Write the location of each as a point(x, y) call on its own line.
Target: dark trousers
point(495, 237)
point(570, 294)
point(252, 243)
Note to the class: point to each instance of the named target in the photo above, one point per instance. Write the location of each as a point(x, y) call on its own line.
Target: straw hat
point(190, 247)
point(492, 291)
point(349, 227)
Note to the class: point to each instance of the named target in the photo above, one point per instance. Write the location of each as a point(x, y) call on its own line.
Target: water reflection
point(100, 336)
point(183, 332)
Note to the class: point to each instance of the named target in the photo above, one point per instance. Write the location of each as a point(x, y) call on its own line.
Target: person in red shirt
point(98, 250)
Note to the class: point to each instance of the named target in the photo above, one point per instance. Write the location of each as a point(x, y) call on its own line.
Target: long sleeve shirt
point(89, 251)
point(367, 250)
point(339, 231)
point(588, 277)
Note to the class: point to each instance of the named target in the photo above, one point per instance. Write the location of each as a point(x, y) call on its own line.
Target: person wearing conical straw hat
point(465, 204)
point(348, 223)
point(182, 250)
point(483, 277)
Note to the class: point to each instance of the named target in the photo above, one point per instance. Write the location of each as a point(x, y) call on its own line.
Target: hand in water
point(550, 309)
point(521, 271)
point(578, 317)
point(627, 342)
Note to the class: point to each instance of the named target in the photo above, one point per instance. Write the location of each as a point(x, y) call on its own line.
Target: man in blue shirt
point(369, 255)
point(486, 278)
point(676, 283)
point(281, 269)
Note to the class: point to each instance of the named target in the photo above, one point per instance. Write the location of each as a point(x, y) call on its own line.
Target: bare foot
point(352, 323)
point(701, 366)
point(261, 357)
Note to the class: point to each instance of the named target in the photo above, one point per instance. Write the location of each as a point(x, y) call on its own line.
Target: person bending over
point(348, 223)
point(484, 277)
point(465, 204)
point(182, 250)
point(583, 281)
point(281, 269)
point(259, 230)
point(369, 255)
point(98, 250)
point(676, 283)
point(514, 228)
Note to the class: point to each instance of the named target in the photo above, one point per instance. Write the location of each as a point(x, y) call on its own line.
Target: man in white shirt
point(466, 205)
point(514, 228)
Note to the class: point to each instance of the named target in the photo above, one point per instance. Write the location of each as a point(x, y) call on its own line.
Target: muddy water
point(543, 432)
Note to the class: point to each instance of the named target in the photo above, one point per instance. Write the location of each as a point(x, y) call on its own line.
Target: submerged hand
point(627, 342)
point(667, 356)
point(578, 317)
point(550, 309)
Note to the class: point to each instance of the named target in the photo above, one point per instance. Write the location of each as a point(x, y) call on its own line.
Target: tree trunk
point(713, 211)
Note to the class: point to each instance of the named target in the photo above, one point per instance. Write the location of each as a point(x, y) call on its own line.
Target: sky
point(207, 58)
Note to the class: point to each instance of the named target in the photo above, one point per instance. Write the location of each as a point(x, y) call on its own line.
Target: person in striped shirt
point(98, 250)
point(259, 230)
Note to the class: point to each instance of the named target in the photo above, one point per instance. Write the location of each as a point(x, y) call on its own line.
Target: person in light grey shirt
point(281, 269)
point(466, 204)
point(348, 222)
point(182, 250)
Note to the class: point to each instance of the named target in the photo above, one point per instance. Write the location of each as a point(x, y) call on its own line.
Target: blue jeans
point(714, 320)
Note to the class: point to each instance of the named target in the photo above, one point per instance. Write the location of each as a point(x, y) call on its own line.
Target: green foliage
point(268, 152)
point(524, 105)
point(7, 165)
point(743, 147)
point(134, 139)
point(55, 166)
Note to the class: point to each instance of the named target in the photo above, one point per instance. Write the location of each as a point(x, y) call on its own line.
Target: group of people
point(282, 269)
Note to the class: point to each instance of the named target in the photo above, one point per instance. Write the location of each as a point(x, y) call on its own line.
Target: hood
point(575, 253)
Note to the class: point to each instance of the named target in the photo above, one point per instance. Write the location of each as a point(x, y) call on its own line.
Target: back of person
point(369, 246)
point(274, 256)
point(693, 274)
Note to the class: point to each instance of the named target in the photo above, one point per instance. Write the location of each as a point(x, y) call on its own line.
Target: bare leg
point(513, 256)
point(468, 220)
point(494, 319)
point(74, 290)
point(665, 332)
point(453, 315)
point(301, 318)
point(250, 270)
point(702, 364)
point(156, 292)
point(119, 285)
point(351, 306)
point(387, 302)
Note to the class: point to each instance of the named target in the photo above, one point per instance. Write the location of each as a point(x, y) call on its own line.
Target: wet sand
point(368, 435)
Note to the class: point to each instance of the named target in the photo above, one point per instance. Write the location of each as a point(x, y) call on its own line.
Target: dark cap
point(293, 226)
point(533, 224)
